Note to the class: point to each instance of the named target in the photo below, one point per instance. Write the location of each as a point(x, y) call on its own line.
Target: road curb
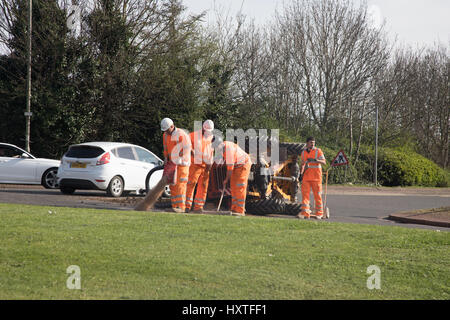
point(425, 217)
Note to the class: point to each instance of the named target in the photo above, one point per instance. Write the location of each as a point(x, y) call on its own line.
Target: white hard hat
point(166, 123)
point(208, 125)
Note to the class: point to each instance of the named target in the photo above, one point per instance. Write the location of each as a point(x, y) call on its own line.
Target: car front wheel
point(49, 179)
point(115, 187)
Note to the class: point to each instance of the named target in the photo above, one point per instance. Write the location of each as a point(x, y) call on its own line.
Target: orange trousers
point(178, 189)
point(238, 184)
point(316, 187)
point(200, 177)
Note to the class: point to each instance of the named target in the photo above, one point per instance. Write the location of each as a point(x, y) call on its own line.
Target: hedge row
point(403, 168)
point(396, 167)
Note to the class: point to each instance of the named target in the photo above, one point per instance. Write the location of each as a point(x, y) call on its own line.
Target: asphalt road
point(374, 209)
point(346, 204)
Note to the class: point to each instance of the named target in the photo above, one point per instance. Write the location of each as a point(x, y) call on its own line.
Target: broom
point(153, 195)
point(221, 197)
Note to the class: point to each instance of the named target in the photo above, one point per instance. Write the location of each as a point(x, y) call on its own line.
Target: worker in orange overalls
point(238, 169)
point(201, 162)
point(311, 160)
point(177, 159)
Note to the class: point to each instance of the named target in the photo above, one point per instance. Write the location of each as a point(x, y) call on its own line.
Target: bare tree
point(337, 52)
point(413, 98)
point(431, 100)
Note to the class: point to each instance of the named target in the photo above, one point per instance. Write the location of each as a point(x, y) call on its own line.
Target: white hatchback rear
point(109, 166)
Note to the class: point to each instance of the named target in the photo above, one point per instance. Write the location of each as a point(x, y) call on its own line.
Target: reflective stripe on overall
point(200, 177)
point(238, 183)
point(203, 155)
point(178, 189)
point(312, 179)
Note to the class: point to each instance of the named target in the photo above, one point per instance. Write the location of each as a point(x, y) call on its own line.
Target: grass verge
point(135, 255)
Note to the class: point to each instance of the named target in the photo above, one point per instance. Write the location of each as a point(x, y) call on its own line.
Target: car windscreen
point(84, 152)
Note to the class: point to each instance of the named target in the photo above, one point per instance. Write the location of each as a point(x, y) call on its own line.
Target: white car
point(20, 167)
point(114, 167)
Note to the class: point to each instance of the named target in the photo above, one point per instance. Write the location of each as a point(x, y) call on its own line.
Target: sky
point(414, 23)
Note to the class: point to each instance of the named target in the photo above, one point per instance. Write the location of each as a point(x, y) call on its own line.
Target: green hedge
point(407, 168)
point(396, 167)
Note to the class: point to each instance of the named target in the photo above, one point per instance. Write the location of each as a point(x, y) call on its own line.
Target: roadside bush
point(407, 168)
point(396, 167)
point(446, 182)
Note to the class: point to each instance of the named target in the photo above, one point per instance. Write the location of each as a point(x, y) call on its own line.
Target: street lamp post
point(376, 147)
point(28, 110)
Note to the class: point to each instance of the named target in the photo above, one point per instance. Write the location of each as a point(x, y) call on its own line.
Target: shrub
point(396, 167)
point(407, 168)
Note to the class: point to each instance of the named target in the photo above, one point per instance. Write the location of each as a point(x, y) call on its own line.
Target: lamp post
point(376, 146)
point(28, 110)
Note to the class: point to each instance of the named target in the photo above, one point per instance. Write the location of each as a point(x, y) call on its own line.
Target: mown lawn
point(136, 255)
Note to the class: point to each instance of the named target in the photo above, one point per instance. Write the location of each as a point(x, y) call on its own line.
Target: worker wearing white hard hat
point(208, 125)
point(201, 161)
point(177, 159)
point(238, 164)
point(166, 124)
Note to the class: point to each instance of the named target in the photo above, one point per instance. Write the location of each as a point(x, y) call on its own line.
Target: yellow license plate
point(78, 165)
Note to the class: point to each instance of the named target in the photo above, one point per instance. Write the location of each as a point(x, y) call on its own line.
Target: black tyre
point(126, 193)
point(115, 187)
point(163, 203)
point(292, 209)
point(67, 190)
point(49, 180)
point(265, 206)
point(166, 193)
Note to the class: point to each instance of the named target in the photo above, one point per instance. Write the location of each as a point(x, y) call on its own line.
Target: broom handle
point(221, 197)
point(326, 185)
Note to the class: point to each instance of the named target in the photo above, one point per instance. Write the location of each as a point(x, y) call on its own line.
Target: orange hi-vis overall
point(202, 155)
point(239, 162)
point(312, 179)
point(177, 149)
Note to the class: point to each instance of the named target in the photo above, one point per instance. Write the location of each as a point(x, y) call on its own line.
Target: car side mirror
point(24, 156)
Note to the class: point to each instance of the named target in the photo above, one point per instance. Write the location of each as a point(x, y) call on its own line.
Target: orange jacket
point(312, 170)
point(202, 150)
point(177, 147)
point(234, 156)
